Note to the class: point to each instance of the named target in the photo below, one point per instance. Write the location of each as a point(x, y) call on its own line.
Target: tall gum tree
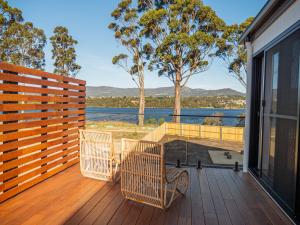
point(23, 45)
point(20, 43)
point(232, 53)
point(183, 34)
point(63, 52)
point(8, 16)
point(126, 30)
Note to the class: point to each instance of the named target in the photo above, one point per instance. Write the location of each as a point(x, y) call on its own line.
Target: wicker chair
point(145, 178)
point(97, 159)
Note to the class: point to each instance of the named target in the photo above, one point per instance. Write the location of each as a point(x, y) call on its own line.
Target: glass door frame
point(258, 173)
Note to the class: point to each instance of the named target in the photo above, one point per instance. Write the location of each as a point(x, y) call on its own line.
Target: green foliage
point(151, 121)
point(20, 43)
point(161, 121)
point(229, 102)
point(63, 52)
point(182, 33)
point(214, 121)
point(126, 30)
point(8, 16)
point(232, 53)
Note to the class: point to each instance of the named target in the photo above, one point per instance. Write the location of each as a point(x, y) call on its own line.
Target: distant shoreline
point(208, 102)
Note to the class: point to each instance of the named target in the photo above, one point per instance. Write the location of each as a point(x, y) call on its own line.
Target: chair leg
point(180, 188)
point(183, 183)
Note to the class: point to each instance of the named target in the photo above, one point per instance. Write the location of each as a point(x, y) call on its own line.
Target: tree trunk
point(177, 106)
point(142, 101)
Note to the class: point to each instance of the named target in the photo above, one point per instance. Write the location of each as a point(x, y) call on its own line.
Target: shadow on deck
point(210, 152)
point(215, 196)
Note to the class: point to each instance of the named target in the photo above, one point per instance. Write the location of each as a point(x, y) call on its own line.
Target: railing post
point(199, 166)
point(236, 167)
point(178, 163)
point(221, 136)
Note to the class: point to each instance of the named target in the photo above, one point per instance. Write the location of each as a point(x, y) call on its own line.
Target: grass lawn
point(121, 129)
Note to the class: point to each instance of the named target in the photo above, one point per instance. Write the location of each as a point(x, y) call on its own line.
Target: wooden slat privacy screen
point(40, 116)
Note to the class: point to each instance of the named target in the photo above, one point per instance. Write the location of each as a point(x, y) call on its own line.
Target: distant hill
point(105, 91)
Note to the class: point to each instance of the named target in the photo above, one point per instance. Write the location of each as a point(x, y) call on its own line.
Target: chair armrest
point(172, 174)
point(177, 182)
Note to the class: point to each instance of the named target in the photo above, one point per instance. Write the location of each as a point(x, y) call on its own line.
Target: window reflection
point(275, 71)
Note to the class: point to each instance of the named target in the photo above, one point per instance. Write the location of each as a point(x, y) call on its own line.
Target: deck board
point(215, 196)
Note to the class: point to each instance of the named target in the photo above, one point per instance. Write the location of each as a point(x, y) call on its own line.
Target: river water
point(193, 116)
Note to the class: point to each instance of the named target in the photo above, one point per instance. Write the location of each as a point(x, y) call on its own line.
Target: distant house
point(273, 102)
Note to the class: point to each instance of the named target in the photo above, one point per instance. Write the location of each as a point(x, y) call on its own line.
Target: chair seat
point(146, 179)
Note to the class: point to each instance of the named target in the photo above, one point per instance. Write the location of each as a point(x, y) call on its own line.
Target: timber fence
point(40, 117)
point(219, 133)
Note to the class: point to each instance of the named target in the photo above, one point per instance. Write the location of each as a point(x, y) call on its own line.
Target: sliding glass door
point(280, 119)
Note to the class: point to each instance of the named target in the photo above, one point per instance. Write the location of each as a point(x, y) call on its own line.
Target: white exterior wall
point(248, 109)
point(288, 18)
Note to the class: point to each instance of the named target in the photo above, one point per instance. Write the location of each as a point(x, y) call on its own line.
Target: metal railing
point(190, 143)
point(160, 115)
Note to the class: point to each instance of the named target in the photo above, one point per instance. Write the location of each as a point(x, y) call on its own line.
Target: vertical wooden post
point(8, 122)
point(44, 126)
point(65, 116)
point(200, 131)
point(83, 102)
point(180, 127)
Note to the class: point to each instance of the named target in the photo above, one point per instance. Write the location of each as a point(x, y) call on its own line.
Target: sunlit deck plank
point(215, 196)
point(52, 201)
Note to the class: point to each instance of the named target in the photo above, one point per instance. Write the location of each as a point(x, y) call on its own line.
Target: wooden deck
point(215, 196)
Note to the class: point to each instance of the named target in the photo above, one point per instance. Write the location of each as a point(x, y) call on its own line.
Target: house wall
point(287, 19)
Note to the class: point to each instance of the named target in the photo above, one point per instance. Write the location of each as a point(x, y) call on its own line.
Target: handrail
point(210, 116)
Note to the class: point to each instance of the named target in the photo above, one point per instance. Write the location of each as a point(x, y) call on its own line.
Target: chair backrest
point(96, 154)
point(142, 172)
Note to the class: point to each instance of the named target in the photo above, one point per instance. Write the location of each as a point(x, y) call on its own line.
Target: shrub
point(161, 121)
point(214, 121)
point(151, 121)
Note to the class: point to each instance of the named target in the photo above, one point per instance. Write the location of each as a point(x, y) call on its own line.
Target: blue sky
point(87, 21)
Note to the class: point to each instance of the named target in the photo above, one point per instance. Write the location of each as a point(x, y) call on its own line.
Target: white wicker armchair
point(97, 159)
point(145, 178)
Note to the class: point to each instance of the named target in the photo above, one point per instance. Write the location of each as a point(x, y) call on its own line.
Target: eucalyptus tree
point(126, 30)
point(63, 52)
point(20, 43)
point(8, 16)
point(183, 33)
point(231, 52)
